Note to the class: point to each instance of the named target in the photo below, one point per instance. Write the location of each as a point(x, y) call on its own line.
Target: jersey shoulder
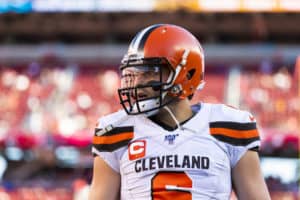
point(112, 132)
point(222, 112)
point(233, 126)
point(115, 118)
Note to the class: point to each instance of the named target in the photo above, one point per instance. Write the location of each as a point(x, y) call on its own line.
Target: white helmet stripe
point(137, 45)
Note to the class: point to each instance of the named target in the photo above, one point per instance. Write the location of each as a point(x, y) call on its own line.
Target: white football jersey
point(191, 162)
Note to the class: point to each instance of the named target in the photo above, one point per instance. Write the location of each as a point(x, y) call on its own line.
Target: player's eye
point(128, 75)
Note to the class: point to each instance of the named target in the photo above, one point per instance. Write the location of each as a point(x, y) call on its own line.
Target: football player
point(161, 147)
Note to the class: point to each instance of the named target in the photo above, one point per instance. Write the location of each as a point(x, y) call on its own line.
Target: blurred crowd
point(48, 111)
point(274, 99)
point(53, 102)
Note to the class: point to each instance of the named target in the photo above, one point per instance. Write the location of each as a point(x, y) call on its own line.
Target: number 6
point(171, 186)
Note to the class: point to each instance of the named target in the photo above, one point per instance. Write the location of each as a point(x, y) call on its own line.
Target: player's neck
point(181, 109)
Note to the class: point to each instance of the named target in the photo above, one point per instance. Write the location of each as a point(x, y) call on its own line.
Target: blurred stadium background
point(59, 72)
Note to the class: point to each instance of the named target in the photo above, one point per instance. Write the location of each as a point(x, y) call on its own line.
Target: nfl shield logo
point(171, 138)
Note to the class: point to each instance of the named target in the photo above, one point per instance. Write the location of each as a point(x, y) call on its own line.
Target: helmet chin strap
point(146, 105)
point(173, 117)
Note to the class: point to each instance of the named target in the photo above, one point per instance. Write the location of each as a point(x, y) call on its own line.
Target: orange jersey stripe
point(240, 134)
point(113, 138)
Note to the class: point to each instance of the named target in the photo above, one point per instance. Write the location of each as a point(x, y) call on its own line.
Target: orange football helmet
point(156, 47)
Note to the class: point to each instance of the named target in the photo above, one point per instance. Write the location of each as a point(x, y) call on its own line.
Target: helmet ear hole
point(190, 97)
point(190, 74)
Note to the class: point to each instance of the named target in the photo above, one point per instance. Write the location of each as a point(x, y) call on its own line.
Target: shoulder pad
point(114, 119)
point(221, 112)
point(112, 138)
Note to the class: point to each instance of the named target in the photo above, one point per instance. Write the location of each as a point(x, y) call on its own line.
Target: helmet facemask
point(145, 83)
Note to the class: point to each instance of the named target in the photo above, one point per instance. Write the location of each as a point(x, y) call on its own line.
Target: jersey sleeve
point(238, 130)
point(108, 142)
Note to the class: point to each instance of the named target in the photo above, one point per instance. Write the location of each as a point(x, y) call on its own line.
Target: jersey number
point(171, 186)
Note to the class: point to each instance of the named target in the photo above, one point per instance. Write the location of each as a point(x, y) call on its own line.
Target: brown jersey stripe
point(111, 147)
point(111, 139)
point(238, 134)
point(233, 125)
point(235, 141)
point(115, 130)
